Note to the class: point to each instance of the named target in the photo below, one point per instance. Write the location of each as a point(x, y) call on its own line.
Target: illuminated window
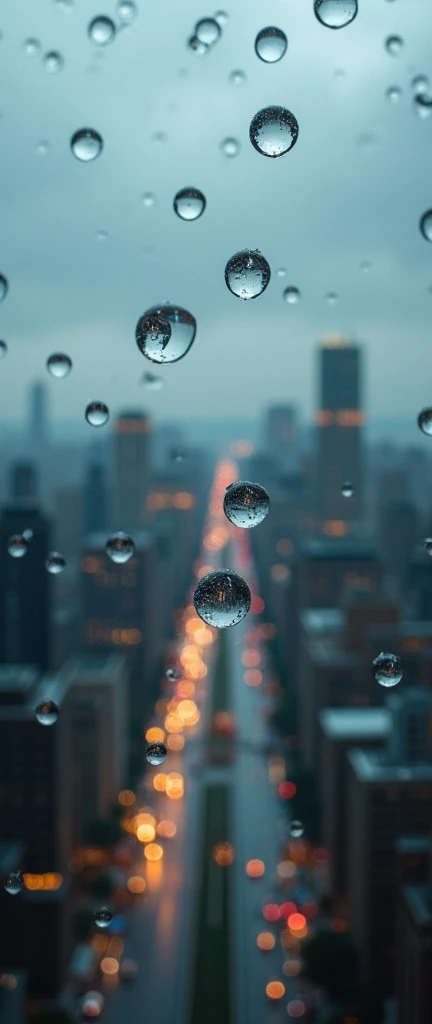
point(90, 564)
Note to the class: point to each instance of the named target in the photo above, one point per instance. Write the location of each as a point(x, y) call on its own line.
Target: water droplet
point(388, 669)
point(230, 147)
point(281, 272)
point(247, 274)
point(103, 917)
point(42, 147)
point(273, 131)
point(59, 364)
point(173, 674)
point(47, 712)
point(208, 31)
point(331, 298)
point(160, 138)
point(189, 203)
point(424, 420)
point(92, 1004)
point(365, 265)
point(237, 77)
point(271, 44)
point(101, 30)
point(426, 225)
point(177, 455)
point(291, 295)
point(197, 46)
point(14, 883)
point(246, 504)
point(86, 144)
point(335, 13)
point(165, 333)
point(97, 414)
point(102, 235)
point(222, 18)
point(422, 104)
point(149, 199)
point(17, 546)
point(120, 548)
point(53, 62)
point(32, 47)
point(296, 829)
point(347, 489)
point(64, 5)
point(127, 10)
point(3, 349)
point(27, 534)
point(156, 753)
point(420, 83)
point(222, 598)
point(55, 563)
point(152, 382)
point(427, 544)
point(393, 45)
point(393, 93)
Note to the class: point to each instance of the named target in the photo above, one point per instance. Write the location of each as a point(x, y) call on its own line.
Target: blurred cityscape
point(279, 863)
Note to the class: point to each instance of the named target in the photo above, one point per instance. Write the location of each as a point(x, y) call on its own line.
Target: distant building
point(132, 432)
point(25, 589)
point(95, 499)
point(413, 973)
point(340, 419)
point(12, 996)
point(38, 416)
point(329, 566)
point(280, 435)
point(24, 484)
point(400, 529)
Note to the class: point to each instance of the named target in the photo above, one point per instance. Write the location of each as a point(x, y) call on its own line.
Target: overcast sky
point(352, 190)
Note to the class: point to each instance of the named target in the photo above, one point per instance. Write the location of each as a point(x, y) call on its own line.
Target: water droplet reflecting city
point(273, 131)
point(222, 598)
point(271, 44)
point(393, 94)
point(424, 421)
point(388, 669)
point(97, 414)
point(230, 147)
point(156, 753)
point(14, 883)
point(347, 489)
point(207, 31)
point(32, 47)
point(427, 544)
point(17, 546)
point(237, 77)
point(55, 563)
point(152, 382)
point(103, 917)
point(296, 829)
point(426, 225)
point(4, 287)
point(120, 547)
point(246, 504)
point(165, 333)
point(394, 45)
point(335, 13)
point(86, 144)
point(189, 203)
point(126, 10)
point(47, 712)
point(101, 30)
point(3, 349)
point(53, 62)
point(291, 295)
point(173, 674)
point(247, 274)
point(59, 364)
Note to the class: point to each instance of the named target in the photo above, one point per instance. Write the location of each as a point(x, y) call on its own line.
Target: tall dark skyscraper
point(38, 415)
point(339, 421)
point(131, 469)
point(95, 499)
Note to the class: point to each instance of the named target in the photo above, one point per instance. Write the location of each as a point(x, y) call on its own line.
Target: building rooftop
point(371, 766)
point(355, 723)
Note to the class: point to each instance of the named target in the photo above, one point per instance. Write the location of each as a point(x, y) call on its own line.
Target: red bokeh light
point(287, 790)
point(287, 909)
point(271, 912)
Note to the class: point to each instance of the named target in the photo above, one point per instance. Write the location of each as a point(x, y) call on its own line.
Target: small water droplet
point(152, 382)
point(335, 13)
point(101, 30)
point(3, 349)
point(103, 917)
point(388, 669)
point(422, 104)
point(246, 504)
point(365, 265)
point(17, 545)
point(281, 272)
point(14, 883)
point(120, 548)
point(393, 93)
point(59, 364)
point(177, 455)
point(42, 147)
point(271, 44)
point(97, 414)
point(394, 45)
point(197, 47)
point(331, 298)
point(102, 235)
point(173, 674)
point(273, 131)
point(156, 753)
point(32, 47)
point(165, 333)
point(55, 563)
point(64, 5)
point(127, 10)
point(230, 147)
point(296, 829)
point(247, 274)
point(27, 534)
point(424, 420)
point(222, 18)
point(47, 712)
point(222, 598)
point(149, 199)
point(237, 77)
point(53, 62)
point(208, 31)
point(426, 225)
point(86, 144)
point(347, 489)
point(427, 544)
point(291, 295)
point(160, 138)
point(189, 203)
point(420, 83)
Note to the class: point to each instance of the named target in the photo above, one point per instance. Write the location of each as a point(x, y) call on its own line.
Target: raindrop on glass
point(237, 77)
point(4, 287)
point(32, 47)
point(97, 414)
point(222, 598)
point(47, 712)
point(222, 18)
point(160, 138)
point(291, 295)
point(365, 266)
point(27, 534)
point(14, 883)
point(426, 225)
point(173, 674)
point(393, 45)
point(427, 544)
point(393, 93)
point(17, 545)
point(3, 349)
point(102, 235)
point(127, 10)
point(55, 563)
point(103, 917)
point(424, 420)
point(247, 274)
point(273, 131)
point(347, 489)
point(296, 829)
point(152, 382)
point(53, 62)
point(64, 5)
point(331, 298)
point(86, 144)
point(422, 105)
point(177, 455)
point(271, 44)
point(197, 47)
point(120, 548)
point(149, 199)
point(208, 31)
point(387, 669)
point(281, 272)
point(189, 203)
point(246, 504)
point(165, 333)
point(335, 13)
point(156, 753)
point(230, 147)
point(420, 83)
point(42, 147)
point(101, 30)
point(92, 1004)
point(59, 364)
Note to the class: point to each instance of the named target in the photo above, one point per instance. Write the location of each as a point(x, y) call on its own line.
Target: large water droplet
point(246, 504)
point(237, 77)
point(335, 13)
point(291, 295)
point(247, 274)
point(197, 47)
point(271, 44)
point(222, 598)
point(126, 10)
point(156, 753)
point(97, 414)
point(208, 31)
point(424, 421)
point(393, 45)
point(103, 917)
point(4, 287)
point(14, 883)
point(427, 544)
point(120, 548)
point(32, 47)
point(189, 203)
point(55, 563)
point(152, 382)
point(86, 144)
point(17, 545)
point(173, 674)
point(388, 669)
point(393, 93)
point(165, 333)
point(59, 364)
point(273, 131)
point(426, 225)
point(422, 104)
point(3, 349)
point(347, 489)
point(53, 62)
point(101, 30)
point(296, 829)
point(230, 147)
point(47, 712)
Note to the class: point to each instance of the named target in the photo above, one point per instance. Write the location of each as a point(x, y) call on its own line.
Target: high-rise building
point(339, 419)
point(132, 432)
point(95, 498)
point(38, 416)
point(414, 952)
point(281, 434)
point(25, 589)
point(24, 484)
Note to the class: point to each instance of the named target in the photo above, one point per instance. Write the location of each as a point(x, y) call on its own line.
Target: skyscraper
point(280, 434)
point(131, 469)
point(339, 420)
point(95, 498)
point(38, 416)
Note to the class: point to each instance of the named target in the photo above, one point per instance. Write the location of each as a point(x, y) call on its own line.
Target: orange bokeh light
point(155, 735)
point(136, 884)
point(126, 798)
point(271, 912)
point(175, 742)
point(296, 922)
point(253, 677)
point(255, 868)
point(153, 852)
point(174, 786)
point(265, 941)
point(159, 782)
point(173, 722)
point(275, 990)
point(109, 965)
point(251, 658)
point(257, 605)
point(223, 854)
point(146, 833)
point(166, 828)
